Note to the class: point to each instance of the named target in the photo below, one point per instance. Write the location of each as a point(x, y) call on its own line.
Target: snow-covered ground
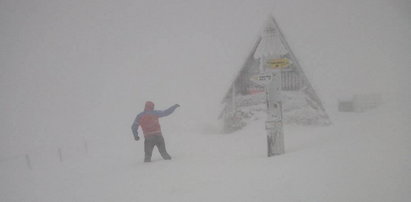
point(361, 157)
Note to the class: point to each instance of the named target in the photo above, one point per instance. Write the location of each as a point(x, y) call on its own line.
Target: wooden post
point(85, 146)
point(28, 162)
point(60, 153)
point(274, 123)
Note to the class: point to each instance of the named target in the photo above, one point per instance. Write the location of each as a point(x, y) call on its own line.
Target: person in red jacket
point(148, 120)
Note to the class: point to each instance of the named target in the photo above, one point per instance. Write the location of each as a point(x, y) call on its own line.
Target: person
point(148, 120)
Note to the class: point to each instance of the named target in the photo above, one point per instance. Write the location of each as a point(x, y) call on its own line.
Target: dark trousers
point(150, 142)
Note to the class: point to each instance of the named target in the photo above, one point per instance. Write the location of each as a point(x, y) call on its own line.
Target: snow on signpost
point(270, 51)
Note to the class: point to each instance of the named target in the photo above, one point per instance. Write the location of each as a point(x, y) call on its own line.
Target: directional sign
point(278, 63)
point(262, 79)
point(272, 124)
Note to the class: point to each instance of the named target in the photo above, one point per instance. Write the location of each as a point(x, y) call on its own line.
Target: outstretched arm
point(167, 111)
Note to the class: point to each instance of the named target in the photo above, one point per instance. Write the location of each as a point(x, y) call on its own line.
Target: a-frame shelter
point(246, 99)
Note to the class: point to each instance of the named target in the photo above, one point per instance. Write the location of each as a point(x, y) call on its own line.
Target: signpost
point(271, 53)
point(274, 122)
point(271, 80)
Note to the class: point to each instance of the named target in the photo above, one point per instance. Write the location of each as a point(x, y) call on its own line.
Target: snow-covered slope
point(362, 157)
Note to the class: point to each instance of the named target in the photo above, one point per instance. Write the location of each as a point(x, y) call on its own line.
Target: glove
point(136, 138)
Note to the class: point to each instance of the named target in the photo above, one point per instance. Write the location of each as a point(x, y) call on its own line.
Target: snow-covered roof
point(270, 44)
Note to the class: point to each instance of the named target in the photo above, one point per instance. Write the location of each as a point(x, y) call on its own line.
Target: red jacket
point(148, 119)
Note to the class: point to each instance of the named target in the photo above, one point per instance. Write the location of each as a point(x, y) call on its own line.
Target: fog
point(74, 70)
point(75, 67)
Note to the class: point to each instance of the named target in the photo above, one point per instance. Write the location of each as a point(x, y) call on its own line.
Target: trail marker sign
point(278, 63)
point(262, 79)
